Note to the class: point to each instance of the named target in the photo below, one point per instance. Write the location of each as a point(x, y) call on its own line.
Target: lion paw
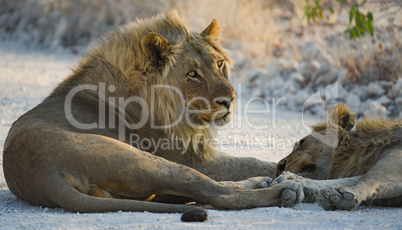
point(293, 194)
point(264, 183)
point(309, 192)
point(332, 198)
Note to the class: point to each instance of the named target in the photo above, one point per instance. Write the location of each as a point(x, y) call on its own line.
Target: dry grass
point(260, 29)
point(249, 25)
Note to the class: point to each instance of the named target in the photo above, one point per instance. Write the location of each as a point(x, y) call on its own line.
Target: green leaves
point(313, 11)
point(359, 22)
point(362, 22)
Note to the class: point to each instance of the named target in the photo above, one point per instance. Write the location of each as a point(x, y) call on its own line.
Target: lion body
point(74, 149)
point(360, 150)
point(370, 156)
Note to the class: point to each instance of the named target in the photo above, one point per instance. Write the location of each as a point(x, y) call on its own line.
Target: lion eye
point(220, 63)
point(301, 142)
point(193, 74)
point(298, 144)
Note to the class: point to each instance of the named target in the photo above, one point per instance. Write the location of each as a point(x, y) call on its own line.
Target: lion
point(94, 144)
point(368, 159)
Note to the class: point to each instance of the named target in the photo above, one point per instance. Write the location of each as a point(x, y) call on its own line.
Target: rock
point(301, 97)
point(397, 88)
point(376, 110)
point(353, 101)
point(341, 74)
point(239, 59)
point(280, 65)
point(307, 68)
point(342, 92)
point(291, 86)
point(270, 75)
point(296, 77)
point(272, 80)
point(331, 91)
point(276, 82)
point(308, 50)
point(195, 215)
point(251, 74)
point(398, 102)
point(359, 91)
point(374, 90)
point(324, 68)
point(324, 74)
point(384, 100)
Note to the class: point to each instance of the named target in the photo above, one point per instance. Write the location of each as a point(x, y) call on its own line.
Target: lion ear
point(213, 31)
point(341, 116)
point(154, 47)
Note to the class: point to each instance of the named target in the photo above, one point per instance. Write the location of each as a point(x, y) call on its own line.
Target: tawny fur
point(51, 162)
point(369, 151)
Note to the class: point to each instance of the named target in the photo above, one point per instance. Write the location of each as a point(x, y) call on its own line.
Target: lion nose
point(280, 168)
point(225, 102)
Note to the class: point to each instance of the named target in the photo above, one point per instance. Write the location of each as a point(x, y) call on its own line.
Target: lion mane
point(119, 49)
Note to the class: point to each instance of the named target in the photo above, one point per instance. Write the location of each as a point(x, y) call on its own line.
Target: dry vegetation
point(258, 31)
point(262, 29)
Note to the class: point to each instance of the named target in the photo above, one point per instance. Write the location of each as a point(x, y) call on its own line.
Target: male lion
point(161, 87)
point(371, 156)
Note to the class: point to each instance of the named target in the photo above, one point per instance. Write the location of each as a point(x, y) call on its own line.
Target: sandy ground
point(27, 76)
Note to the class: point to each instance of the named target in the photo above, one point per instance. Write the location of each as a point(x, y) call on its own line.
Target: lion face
point(309, 158)
point(203, 80)
point(312, 157)
point(196, 73)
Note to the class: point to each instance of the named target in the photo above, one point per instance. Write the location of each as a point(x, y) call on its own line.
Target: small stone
point(280, 65)
point(291, 86)
point(297, 77)
point(307, 68)
point(384, 100)
point(252, 74)
point(376, 110)
point(238, 59)
point(308, 50)
point(195, 215)
point(325, 74)
point(398, 102)
point(374, 90)
point(353, 101)
point(397, 88)
point(301, 97)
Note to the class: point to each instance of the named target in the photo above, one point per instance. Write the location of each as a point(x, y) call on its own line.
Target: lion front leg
point(124, 171)
point(223, 167)
point(311, 188)
point(285, 194)
point(381, 183)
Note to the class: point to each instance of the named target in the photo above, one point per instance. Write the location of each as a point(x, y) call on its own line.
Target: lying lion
point(163, 89)
point(369, 159)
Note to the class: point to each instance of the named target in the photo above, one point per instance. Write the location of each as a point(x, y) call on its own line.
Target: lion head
point(311, 156)
point(181, 75)
point(198, 78)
